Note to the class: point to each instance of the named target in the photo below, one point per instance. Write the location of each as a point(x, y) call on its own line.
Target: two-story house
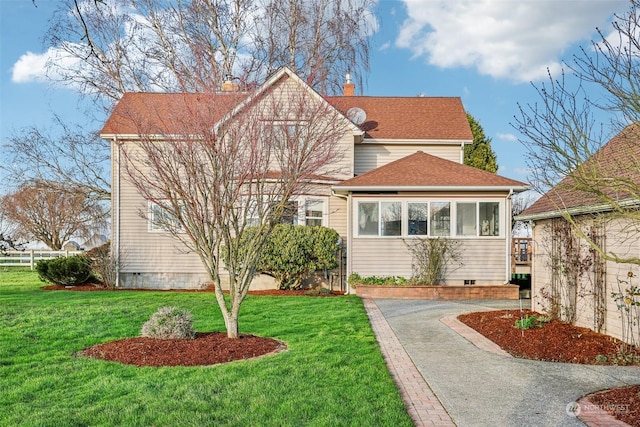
point(401, 177)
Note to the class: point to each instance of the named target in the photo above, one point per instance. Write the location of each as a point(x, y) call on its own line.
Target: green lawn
point(332, 375)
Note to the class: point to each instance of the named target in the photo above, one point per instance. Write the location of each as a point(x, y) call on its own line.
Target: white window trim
point(302, 203)
point(302, 206)
point(453, 217)
point(152, 227)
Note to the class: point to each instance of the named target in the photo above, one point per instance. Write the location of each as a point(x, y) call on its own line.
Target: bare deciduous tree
point(193, 46)
point(520, 202)
point(52, 213)
point(7, 234)
point(62, 154)
point(576, 114)
point(106, 48)
point(212, 182)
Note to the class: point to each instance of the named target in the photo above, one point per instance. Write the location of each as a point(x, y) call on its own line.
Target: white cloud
point(506, 136)
point(41, 67)
point(30, 67)
point(510, 39)
point(385, 46)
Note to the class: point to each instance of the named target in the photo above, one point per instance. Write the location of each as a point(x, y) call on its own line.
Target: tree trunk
point(231, 323)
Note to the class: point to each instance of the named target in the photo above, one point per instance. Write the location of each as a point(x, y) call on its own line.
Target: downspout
point(116, 233)
point(348, 244)
point(509, 238)
point(533, 264)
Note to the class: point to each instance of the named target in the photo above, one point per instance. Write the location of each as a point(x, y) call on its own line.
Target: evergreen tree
point(480, 154)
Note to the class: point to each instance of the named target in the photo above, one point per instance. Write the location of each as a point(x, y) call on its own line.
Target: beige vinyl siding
point(484, 260)
point(287, 91)
point(619, 241)
point(369, 156)
point(622, 240)
point(156, 259)
point(338, 216)
point(540, 268)
point(147, 251)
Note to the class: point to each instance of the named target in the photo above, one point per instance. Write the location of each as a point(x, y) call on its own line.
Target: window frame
point(300, 217)
point(406, 226)
point(322, 210)
point(152, 224)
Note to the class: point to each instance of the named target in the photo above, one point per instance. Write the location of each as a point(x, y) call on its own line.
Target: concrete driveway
point(480, 388)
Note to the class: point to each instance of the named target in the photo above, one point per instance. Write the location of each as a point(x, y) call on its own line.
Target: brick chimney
point(348, 87)
point(229, 85)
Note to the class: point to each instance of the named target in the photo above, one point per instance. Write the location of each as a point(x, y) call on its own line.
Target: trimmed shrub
point(293, 252)
point(169, 323)
point(69, 271)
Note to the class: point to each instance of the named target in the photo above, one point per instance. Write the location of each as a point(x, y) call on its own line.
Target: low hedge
point(66, 271)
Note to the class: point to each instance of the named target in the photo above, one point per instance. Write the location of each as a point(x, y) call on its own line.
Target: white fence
point(29, 258)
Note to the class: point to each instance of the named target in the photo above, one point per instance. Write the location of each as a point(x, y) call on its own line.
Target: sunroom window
point(391, 218)
point(418, 214)
point(466, 219)
point(440, 219)
point(489, 218)
point(368, 218)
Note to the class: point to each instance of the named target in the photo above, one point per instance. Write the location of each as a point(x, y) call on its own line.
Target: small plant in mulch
point(531, 321)
point(626, 355)
point(169, 323)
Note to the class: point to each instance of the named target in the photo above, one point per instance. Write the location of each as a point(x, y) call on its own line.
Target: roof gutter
point(430, 188)
point(461, 142)
point(579, 210)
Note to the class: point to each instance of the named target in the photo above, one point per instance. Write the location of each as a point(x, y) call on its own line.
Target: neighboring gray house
point(401, 177)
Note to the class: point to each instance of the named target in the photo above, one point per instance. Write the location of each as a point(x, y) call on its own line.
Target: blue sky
point(485, 51)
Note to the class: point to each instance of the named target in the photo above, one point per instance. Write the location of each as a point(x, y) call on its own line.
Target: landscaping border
point(453, 292)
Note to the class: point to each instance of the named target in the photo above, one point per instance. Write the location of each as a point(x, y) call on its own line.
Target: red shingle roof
point(428, 118)
point(424, 170)
point(417, 118)
point(167, 113)
point(616, 163)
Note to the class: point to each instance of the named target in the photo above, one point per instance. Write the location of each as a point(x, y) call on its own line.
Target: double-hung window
point(298, 211)
point(313, 211)
point(161, 220)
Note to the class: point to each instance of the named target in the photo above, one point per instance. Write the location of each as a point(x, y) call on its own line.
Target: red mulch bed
point(205, 349)
point(561, 342)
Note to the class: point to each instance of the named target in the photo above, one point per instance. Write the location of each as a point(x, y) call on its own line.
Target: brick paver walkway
point(423, 406)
